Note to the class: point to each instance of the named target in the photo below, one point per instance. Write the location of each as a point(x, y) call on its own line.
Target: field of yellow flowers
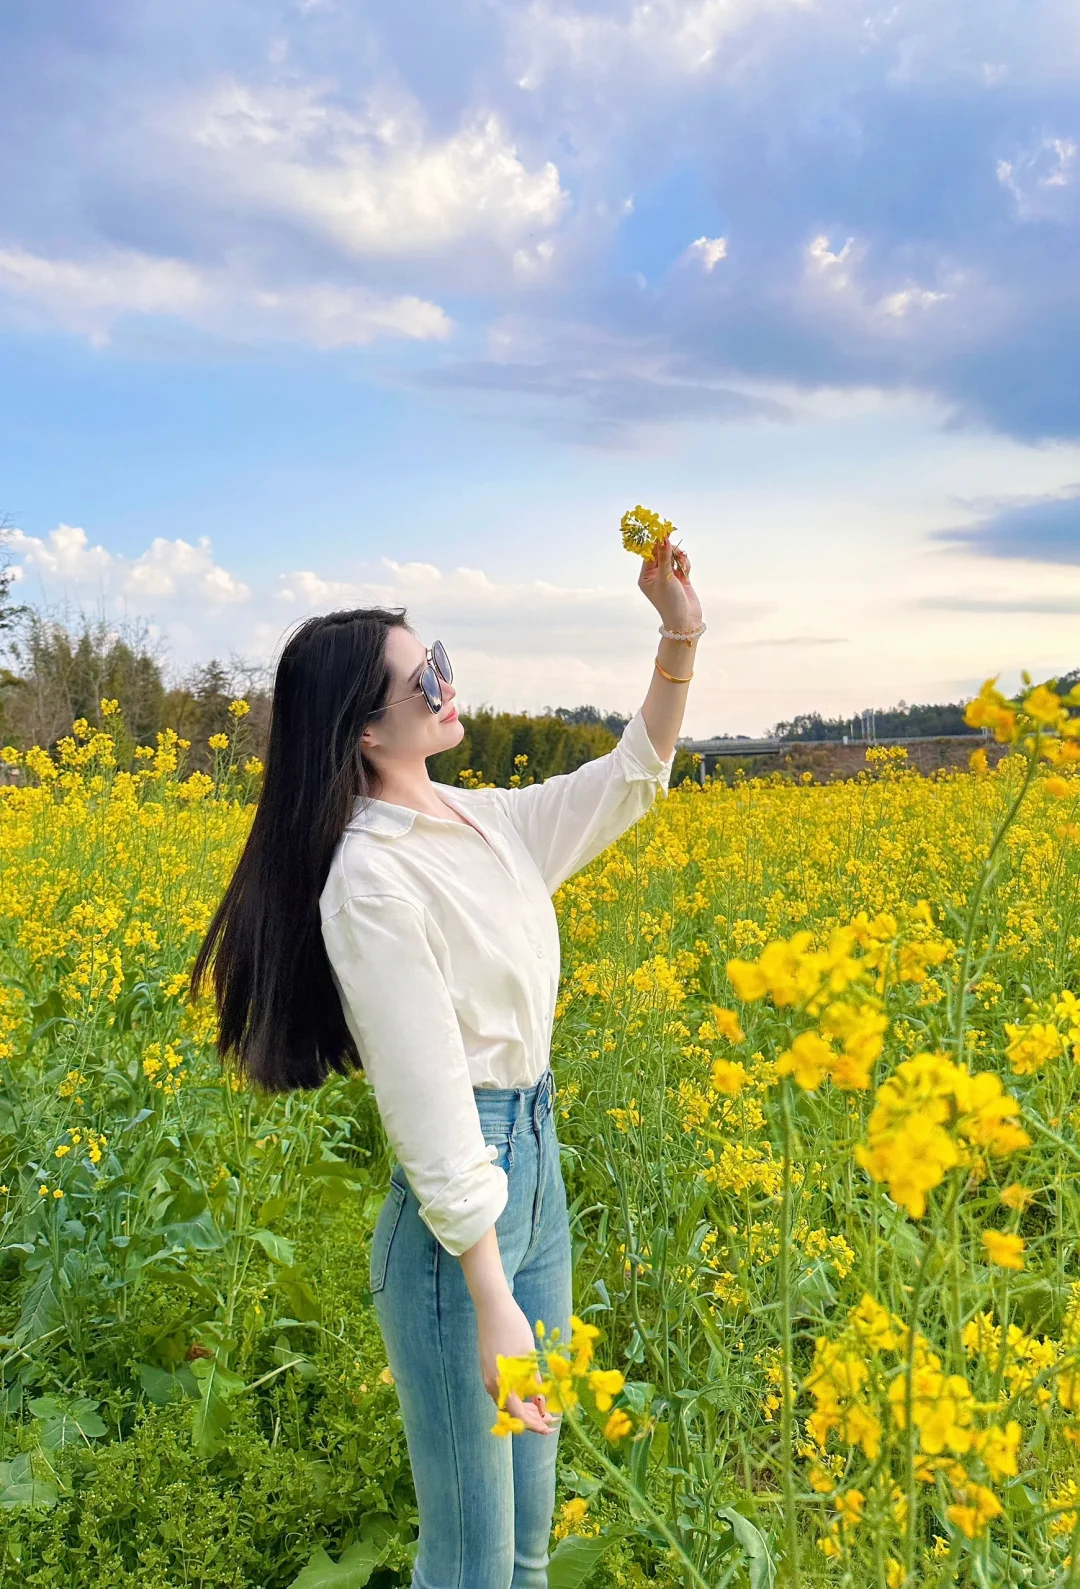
point(817, 1054)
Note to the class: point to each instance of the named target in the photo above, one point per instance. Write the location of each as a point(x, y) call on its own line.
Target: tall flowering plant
point(895, 1416)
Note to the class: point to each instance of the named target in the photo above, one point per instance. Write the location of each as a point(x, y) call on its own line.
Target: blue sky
point(310, 304)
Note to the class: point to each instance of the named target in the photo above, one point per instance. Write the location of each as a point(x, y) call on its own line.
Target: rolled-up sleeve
point(399, 1010)
point(570, 818)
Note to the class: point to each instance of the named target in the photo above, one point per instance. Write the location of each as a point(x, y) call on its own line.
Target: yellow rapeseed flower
point(617, 1425)
point(1029, 1047)
point(1043, 706)
point(728, 1076)
point(727, 1024)
point(990, 710)
point(975, 1507)
point(642, 530)
point(1003, 1249)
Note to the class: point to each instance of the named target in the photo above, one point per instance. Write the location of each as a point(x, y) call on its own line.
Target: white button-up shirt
point(444, 947)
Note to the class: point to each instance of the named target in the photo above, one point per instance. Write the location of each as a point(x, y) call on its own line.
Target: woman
point(379, 917)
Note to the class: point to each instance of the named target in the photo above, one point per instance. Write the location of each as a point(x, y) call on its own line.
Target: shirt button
point(540, 952)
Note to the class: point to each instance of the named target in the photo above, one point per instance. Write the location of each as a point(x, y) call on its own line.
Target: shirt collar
point(382, 816)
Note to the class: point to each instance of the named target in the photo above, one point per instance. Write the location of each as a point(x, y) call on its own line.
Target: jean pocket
point(504, 1142)
point(383, 1234)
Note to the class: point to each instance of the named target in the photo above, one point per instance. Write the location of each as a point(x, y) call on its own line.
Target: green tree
point(197, 706)
point(61, 670)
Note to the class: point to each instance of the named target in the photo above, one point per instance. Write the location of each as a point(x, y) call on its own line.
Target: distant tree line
point(56, 668)
point(58, 671)
point(895, 722)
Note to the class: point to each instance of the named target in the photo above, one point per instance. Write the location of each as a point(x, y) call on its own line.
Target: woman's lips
point(451, 715)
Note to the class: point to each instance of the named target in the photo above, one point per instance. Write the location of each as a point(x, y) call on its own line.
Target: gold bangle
point(672, 677)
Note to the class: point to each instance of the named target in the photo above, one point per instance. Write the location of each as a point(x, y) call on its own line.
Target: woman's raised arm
point(570, 818)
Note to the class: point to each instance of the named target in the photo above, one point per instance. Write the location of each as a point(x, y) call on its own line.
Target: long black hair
point(279, 1013)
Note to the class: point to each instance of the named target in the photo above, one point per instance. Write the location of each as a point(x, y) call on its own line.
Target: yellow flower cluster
point(566, 1372)
point(642, 530)
point(1035, 1041)
point(1041, 711)
point(850, 1036)
point(163, 1066)
point(928, 1117)
point(867, 1382)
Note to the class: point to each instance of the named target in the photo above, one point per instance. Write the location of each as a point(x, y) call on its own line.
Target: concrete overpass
point(710, 750)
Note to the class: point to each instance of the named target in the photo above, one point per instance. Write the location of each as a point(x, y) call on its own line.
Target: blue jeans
point(485, 1501)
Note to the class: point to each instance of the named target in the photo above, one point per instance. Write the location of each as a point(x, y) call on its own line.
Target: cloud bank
point(611, 214)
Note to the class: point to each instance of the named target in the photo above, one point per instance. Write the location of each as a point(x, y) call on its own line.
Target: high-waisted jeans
point(485, 1501)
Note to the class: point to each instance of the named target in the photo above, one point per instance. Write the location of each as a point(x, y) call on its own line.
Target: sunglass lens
point(429, 683)
point(442, 661)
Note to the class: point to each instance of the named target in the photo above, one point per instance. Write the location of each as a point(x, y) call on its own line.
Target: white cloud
point(829, 265)
point(835, 270)
point(373, 182)
point(167, 570)
point(90, 296)
point(683, 36)
point(66, 555)
point(899, 303)
point(709, 250)
point(531, 262)
point(1038, 177)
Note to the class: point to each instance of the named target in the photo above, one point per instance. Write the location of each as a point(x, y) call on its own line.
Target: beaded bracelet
point(682, 634)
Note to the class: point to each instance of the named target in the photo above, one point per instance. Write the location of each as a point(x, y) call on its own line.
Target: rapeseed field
point(817, 1053)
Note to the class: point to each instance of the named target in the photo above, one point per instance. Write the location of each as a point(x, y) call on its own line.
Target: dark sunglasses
point(436, 666)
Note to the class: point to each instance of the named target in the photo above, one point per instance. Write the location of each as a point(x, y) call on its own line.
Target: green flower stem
point(909, 1421)
point(1073, 1579)
point(952, 1214)
point(787, 1411)
point(627, 1485)
point(1068, 1148)
point(986, 873)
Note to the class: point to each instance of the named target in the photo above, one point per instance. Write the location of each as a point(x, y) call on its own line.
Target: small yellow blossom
point(727, 1024)
point(1003, 1249)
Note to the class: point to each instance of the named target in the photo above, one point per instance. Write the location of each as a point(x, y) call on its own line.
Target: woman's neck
point(416, 792)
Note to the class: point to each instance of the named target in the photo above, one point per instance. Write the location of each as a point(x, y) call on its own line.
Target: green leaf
point(352, 1571)
point(299, 1293)
point(159, 1385)
point(333, 1170)
point(274, 1206)
point(575, 1558)
point(212, 1412)
point(639, 1393)
point(41, 1312)
point(755, 1547)
point(194, 1235)
point(303, 1366)
point(66, 1426)
point(18, 1486)
point(812, 1295)
point(1041, 1304)
point(185, 1280)
point(279, 1248)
